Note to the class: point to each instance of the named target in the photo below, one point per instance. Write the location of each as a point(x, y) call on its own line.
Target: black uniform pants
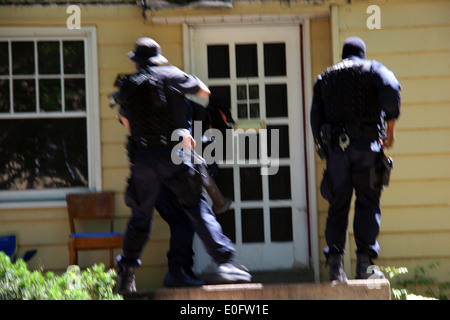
point(347, 171)
point(152, 170)
point(181, 232)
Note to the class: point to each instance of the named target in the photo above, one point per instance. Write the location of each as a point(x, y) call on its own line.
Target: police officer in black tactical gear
point(153, 107)
point(355, 105)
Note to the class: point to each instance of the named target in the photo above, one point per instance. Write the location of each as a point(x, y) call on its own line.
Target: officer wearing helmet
point(153, 107)
point(354, 109)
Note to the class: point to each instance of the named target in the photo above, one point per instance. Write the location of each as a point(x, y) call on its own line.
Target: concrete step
point(376, 289)
point(300, 275)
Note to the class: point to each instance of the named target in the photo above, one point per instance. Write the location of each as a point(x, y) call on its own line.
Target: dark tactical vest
point(349, 94)
point(143, 99)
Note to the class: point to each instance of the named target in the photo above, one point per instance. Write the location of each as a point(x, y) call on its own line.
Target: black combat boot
point(337, 272)
point(126, 271)
point(179, 276)
point(366, 268)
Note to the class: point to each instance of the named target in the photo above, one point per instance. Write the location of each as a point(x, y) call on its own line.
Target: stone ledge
point(377, 289)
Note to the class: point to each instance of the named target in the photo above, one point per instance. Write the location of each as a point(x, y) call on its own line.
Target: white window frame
point(56, 197)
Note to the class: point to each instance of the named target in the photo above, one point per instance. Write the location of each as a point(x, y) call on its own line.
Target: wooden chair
point(92, 206)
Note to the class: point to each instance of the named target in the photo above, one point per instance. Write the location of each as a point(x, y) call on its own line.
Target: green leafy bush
point(18, 283)
point(421, 282)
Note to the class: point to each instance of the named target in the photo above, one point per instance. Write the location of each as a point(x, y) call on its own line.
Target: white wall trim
point(236, 19)
point(310, 150)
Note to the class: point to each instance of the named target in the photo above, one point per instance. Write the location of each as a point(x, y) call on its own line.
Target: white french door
point(257, 70)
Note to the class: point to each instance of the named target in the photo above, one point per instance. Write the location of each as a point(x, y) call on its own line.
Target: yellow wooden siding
point(414, 42)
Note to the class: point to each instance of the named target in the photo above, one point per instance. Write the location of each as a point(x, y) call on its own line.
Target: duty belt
point(357, 130)
point(342, 133)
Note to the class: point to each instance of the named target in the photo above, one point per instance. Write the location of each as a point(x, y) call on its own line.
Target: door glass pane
point(49, 57)
point(242, 92)
point(280, 184)
point(248, 101)
point(252, 225)
point(254, 110)
point(22, 57)
point(228, 222)
point(251, 184)
point(281, 224)
point(220, 96)
point(253, 91)
point(274, 59)
point(248, 146)
point(225, 182)
point(73, 52)
point(246, 60)
point(283, 141)
point(242, 110)
point(221, 93)
point(276, 100)
point(218, 61)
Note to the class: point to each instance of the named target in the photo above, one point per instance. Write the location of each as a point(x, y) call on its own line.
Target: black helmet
point(354, 46)
point(148, 51)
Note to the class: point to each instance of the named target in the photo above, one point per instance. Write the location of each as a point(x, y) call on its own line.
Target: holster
point(381, 172)
point(323, 141)
point(321, 149)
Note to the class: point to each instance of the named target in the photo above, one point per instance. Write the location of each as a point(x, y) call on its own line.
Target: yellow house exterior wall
point(413, 42)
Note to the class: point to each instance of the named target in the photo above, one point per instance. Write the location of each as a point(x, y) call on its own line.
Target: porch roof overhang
point(179, 4)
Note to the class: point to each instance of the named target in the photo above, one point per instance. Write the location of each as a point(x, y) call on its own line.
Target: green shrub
point(421, 285)
point(18, 283)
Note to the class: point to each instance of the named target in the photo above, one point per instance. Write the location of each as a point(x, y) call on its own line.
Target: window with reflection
point(43, 141)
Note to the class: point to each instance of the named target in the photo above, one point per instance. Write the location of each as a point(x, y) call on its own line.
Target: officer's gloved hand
point(389, 141)
point(188, 141)
point(390, 135)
